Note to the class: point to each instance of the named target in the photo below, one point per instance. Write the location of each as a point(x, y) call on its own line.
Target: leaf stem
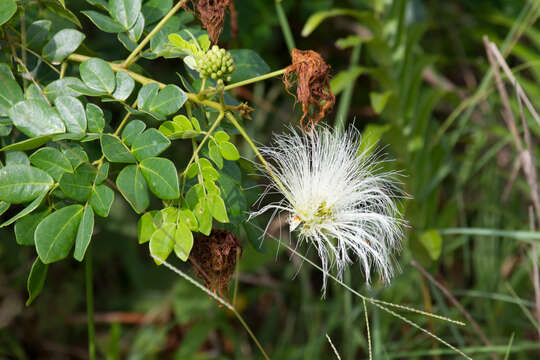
point(285, 28)
point(90, 304)
point(255, 79)
point(40, 57)
point(208, 134)
point(203, 85)
point(144, 80)
point(212, 91)
point(63, 69)
point(28, 73)
point(196, 151)
point(124, 120)
point(131, 58)
point(241, 130)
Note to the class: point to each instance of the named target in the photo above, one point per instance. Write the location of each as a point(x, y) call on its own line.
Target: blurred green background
point(419, 82)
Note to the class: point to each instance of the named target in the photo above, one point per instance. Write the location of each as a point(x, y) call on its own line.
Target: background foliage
point(411, 74)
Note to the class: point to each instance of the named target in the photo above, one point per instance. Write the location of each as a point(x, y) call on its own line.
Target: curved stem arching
point(132, 57)
point(267, 167)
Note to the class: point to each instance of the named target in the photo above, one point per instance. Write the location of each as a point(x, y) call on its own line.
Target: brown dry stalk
point(214, 259)
point(310, 74)
point(526, 155)
point(507, 114)
point(508, 117)
point(513, 176)
point(212, 15)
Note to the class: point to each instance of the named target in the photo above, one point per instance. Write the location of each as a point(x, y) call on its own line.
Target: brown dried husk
point(310, 74)
point(212, 15)
point(214, 259)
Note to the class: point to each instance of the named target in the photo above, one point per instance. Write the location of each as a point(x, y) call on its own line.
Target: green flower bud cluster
point(216, 64)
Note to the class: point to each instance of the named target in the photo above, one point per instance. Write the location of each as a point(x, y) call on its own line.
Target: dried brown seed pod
point(214, 259)
point(310, 74)
point(212, 15)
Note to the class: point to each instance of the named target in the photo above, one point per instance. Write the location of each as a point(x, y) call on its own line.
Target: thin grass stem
point(285, 28)
point(333, 347)
point(346, 96)
point(90, 304)
point(218, 299)
point(367, 330)
point(381, 304)
point(508, 350)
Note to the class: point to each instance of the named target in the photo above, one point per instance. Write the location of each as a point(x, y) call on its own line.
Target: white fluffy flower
point(337, 199)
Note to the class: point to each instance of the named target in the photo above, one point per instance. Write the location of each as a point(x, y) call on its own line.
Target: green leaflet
point(162, 177)
point(133, 187)
point(55, 235)
point(22, 183)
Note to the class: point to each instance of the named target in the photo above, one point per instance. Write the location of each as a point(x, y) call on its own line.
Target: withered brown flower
point(212, 15)
point(214, 259)
point(310, 74)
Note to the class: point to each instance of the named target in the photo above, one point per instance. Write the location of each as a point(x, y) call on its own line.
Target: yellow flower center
point(310, 219)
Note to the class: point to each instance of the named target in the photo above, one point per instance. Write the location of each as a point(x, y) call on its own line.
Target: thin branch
point(131, 58)
point(242, 132)
point(144, 80)
point(255, 79)
point(196, 150)
point(40, 57)
point(27, 72)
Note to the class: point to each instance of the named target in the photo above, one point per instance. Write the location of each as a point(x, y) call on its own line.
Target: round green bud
point(216, 63)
